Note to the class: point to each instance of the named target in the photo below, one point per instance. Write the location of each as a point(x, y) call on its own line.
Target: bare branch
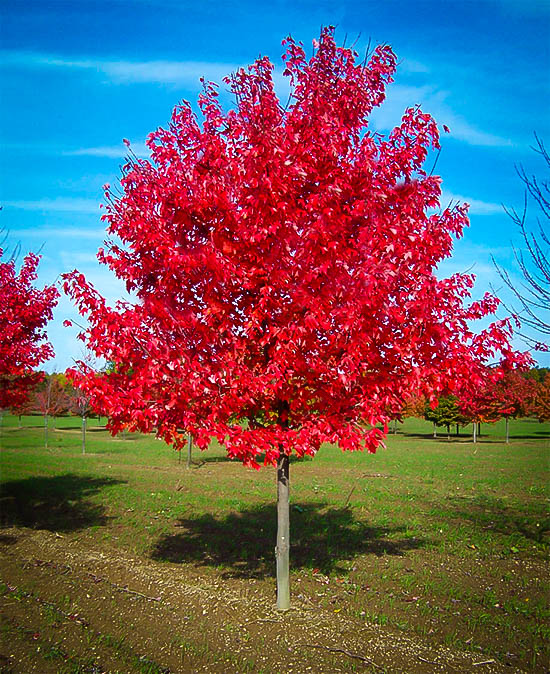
point(532, 293)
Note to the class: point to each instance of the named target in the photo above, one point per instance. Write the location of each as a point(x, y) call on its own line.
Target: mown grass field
point(442, 541)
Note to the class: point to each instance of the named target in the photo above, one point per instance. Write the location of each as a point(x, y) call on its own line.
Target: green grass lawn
point(444, 539)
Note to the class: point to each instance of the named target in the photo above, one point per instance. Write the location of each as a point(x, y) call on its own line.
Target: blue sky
point(77, 77)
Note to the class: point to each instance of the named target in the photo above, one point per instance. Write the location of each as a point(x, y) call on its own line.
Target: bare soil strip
point(68, 607)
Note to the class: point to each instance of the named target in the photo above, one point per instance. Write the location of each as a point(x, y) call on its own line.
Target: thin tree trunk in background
point(475, 431)
point(507, 430)
point(395, 426)
point(83, 435)
point(435, 430)
point(20, 422)
point(448, 431)
point(189, 448)
point(479, 429)
point(46, 431)
point(457, 433)
point(282, 551)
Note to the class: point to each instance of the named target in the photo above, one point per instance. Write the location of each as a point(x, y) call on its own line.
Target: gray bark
point(282, 551)
point(189, 448)
point(475, 431)
point(507, 430)
point(435, 430)
point(46, 431)
point(83, 435)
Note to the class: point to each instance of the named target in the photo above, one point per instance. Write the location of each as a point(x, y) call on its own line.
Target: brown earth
point(69, 606)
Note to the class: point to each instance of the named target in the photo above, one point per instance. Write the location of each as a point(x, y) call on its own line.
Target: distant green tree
point(445, 414)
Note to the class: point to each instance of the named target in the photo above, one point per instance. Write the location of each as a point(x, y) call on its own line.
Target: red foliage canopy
point(501, 394)
point(283, 262)
point(24, 313)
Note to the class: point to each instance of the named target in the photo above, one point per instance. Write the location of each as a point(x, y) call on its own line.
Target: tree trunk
point(479, 429)
point(395, 426)
point(507, 430)
point(435, 430)
point(46, 431)
point(475, 431)
point(83, 435)
point(20, 422)
point(282, 551)
point(448, 431)
point(189, 448)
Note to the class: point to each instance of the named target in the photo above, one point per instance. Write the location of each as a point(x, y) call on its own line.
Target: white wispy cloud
point(110, 151)
point(58, 204)
point(412, 66)
point(477, 206)
point(434, 101)
point(126, 71)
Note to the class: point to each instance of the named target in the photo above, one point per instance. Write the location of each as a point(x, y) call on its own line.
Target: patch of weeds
point(53, 651)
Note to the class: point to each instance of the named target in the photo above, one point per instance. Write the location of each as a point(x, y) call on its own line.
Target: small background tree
point(80, 405)
point(445, 413)
point(51, 401)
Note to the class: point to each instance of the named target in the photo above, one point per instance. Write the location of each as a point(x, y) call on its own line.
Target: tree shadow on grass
point(58, 503)
point(494, 514)
point(243, 542)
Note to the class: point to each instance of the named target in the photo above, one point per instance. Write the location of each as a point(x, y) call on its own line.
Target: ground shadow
point(58, 503)
point(204, 460)
point(243, 542)
point(494, 514)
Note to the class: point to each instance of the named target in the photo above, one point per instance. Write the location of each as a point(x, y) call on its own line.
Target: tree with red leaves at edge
point(51, 401)
point(540, 406)
point(282, 260)
point(25, 312)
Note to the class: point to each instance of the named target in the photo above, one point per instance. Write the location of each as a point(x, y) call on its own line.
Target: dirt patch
point(68, 606)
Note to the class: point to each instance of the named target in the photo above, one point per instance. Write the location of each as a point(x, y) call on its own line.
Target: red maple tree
point(515, 395)
point(504, 394)
point(25, 311)
point(282, 260)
